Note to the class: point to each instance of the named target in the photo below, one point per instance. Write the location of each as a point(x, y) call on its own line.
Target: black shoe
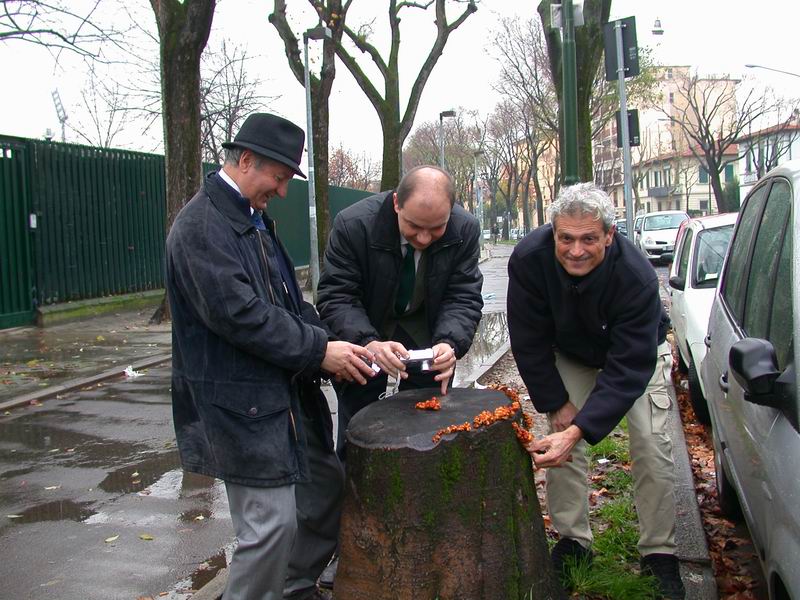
point(664, 567)
point(568, 552)
point(329, 574)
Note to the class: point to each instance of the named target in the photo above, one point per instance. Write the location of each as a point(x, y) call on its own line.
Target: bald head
point(428, 184)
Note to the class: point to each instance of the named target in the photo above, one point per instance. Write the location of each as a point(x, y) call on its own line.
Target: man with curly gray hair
point(588, 332)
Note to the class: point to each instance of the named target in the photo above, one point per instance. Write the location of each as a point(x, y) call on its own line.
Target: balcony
point(663, 191)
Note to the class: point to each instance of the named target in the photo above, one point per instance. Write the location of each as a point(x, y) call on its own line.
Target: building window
point(703, 204)
point(748, 160)
point(671, 98)
point(669, 74)
point(729, 172)
point(656, 178)
point(677, 204)
point(667, 177)
point(703, 177)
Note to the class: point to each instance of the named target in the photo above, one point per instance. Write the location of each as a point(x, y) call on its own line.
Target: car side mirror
point(677, 282)
point(755, 367)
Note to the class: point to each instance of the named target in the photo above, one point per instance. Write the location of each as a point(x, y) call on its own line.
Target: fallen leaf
point(52, 487)
point(199, 518)
point(14, 516)
point(100, 338)
point(113, 538)
point(146, 537)
point(135, 474)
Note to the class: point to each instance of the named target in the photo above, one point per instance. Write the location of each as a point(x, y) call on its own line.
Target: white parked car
point(657, 232)
point(751, 380)
point(699, 252)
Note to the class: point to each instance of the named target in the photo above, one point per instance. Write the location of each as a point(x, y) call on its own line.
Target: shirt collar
point(227, 179)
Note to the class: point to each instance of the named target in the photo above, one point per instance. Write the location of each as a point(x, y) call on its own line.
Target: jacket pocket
point(251, 430)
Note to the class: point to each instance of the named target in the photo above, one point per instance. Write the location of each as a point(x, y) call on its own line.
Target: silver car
point(750, 379)
point(657, 232)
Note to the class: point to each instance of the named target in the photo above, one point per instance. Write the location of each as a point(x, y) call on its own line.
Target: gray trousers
point(651, 462)
point(286, 534)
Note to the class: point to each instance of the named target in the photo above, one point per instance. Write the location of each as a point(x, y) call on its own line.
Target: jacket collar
point(387, 231)
point(227, 201)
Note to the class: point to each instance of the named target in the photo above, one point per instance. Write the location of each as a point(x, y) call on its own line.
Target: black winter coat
point(611, 319)
point(241, 351)
point(360, 277)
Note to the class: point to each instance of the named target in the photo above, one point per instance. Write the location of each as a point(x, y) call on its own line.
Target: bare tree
point(387, 104)
point(104, 111)
point(57, 25)
point(228, 95)
point(768, 145)
point(461, 140)
point(183, 29)
point(347, 169)
point(332, 14)
point(711, 116)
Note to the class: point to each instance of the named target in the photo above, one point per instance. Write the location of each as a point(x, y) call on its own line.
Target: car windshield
point(657, 222)
point(711, 247)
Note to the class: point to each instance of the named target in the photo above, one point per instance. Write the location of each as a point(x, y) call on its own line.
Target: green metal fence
point(16, 273)
point(80, 222)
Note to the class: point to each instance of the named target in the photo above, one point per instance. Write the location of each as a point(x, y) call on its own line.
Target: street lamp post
point(771, 69)
point(320, 32)
point(478, 194)
point(442, 115)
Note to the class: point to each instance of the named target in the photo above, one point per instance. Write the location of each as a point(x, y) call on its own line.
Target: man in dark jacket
point(588, 332)
point(247, 351)
point(401, 272)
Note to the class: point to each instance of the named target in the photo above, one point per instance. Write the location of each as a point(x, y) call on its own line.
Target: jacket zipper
point(272, 297)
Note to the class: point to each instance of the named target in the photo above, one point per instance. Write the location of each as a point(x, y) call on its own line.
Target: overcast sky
point(715, 36)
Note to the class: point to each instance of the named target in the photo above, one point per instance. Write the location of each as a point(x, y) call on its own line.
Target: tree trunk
point(447, 520)
point(183, 29)
point(390, 176)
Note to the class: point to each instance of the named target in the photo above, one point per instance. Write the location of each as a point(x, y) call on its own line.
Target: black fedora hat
point(273, 137)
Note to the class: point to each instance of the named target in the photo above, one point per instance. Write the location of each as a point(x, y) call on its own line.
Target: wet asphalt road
point(85, 477)
point(91, 466)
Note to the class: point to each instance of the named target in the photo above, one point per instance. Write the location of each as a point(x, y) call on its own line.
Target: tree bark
point(450, 520)
point(183, 29)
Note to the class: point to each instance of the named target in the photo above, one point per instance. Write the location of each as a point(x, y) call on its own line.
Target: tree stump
point(456, 519)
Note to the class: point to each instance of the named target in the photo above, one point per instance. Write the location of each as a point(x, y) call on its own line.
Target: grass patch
point(613, 574)
point(613, 447)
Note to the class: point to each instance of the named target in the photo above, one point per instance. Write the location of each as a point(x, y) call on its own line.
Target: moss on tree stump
point(453, 520)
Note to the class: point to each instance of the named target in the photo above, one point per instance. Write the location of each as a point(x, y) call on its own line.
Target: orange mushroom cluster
point(524, 436)
point(450, 429)
point(432, 404)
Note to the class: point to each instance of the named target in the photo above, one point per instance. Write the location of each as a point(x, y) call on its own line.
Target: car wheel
point(699, 403)
point(726, 495)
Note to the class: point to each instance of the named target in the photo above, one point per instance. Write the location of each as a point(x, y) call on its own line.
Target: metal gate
point(16, 273)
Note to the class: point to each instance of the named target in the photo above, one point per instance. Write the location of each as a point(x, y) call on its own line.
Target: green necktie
point(407, 276)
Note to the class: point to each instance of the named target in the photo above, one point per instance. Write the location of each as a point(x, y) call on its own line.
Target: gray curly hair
point(584, 199)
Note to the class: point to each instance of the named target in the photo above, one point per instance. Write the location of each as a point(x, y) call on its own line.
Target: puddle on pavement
point(23, 439)
point(58, 510)
point(491, 334)
point(195, 514)
point(137, 477)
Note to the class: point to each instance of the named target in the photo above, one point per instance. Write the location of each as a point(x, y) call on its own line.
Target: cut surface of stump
point(456, 519)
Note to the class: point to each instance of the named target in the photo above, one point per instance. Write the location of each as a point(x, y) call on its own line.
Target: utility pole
point(569, 96)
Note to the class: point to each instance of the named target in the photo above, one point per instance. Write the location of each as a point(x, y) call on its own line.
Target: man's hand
point(348, 361)
point(387, 356)
point(555, 449)
point(444, 360)
point(562, 418)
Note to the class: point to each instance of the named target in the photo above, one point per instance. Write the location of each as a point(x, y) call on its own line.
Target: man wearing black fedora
point(247, 352)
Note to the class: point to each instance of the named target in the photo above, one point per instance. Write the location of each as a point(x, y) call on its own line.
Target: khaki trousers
point(651, 462)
